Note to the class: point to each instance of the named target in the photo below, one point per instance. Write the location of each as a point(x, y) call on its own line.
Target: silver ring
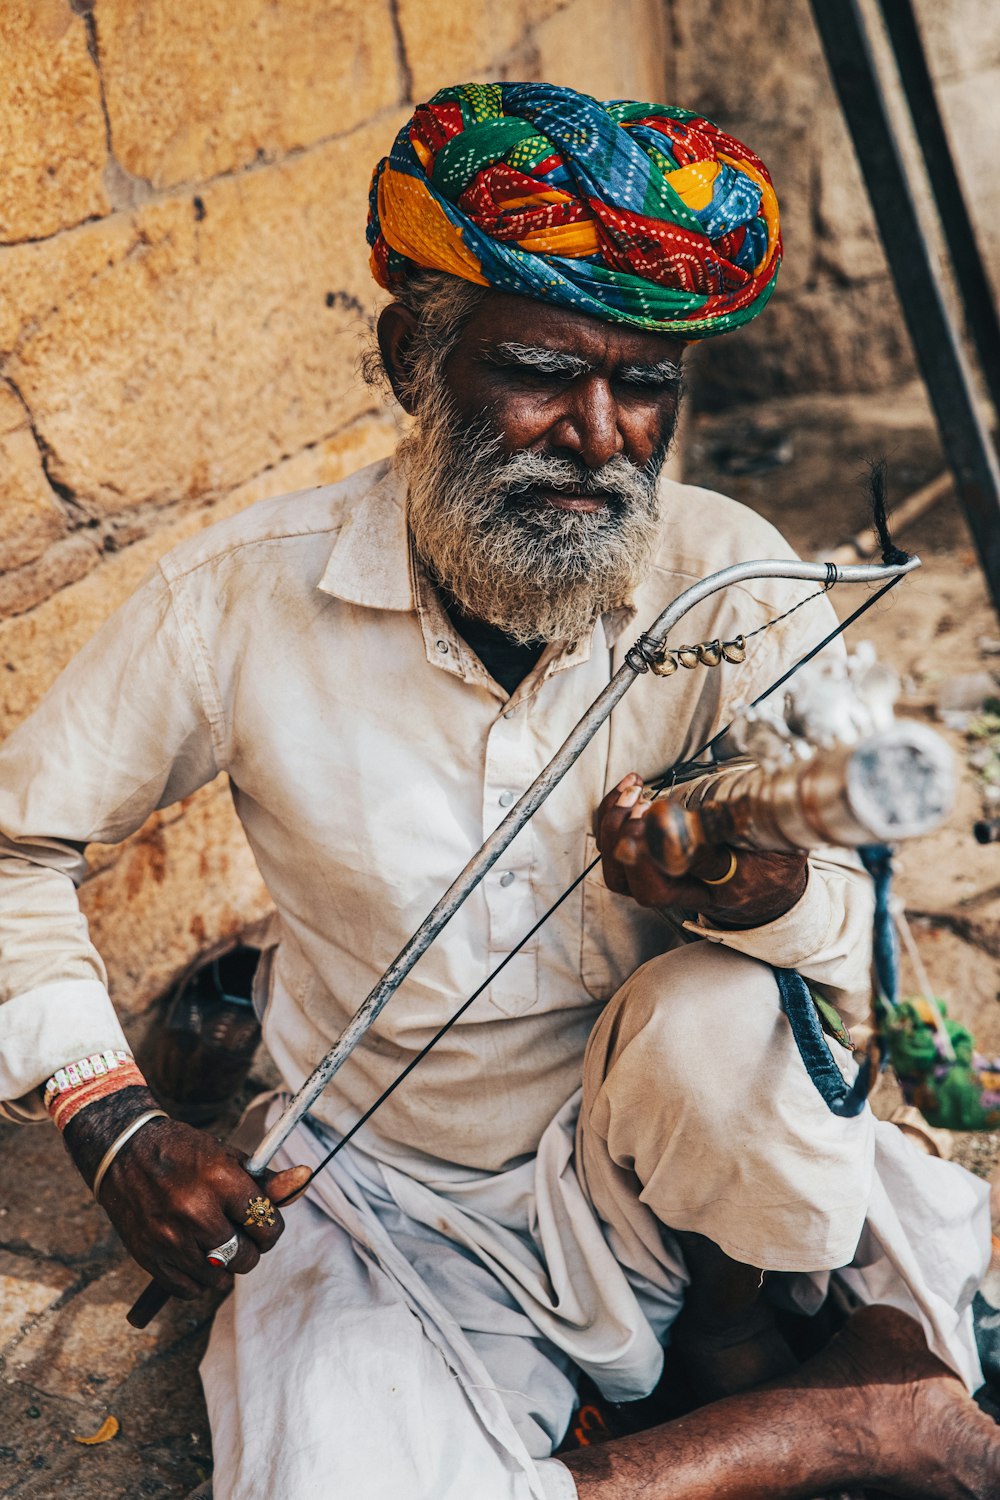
point(223, 1254)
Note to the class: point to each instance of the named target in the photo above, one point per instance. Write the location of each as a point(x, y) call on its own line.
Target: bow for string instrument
point(650, 652)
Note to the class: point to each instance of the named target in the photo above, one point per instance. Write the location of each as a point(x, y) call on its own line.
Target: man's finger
point(617, 812)
point(286, 1186)
point(251, 1212)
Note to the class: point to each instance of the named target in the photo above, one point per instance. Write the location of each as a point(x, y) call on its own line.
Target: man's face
point(534, 461)
point(565, 385)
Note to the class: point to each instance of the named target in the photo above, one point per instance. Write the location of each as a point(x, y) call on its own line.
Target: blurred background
point(184, 296)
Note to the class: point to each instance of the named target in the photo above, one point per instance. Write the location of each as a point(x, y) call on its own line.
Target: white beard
point(536, 572)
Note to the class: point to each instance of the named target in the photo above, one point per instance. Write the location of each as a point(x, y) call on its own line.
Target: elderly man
point(618, 1142)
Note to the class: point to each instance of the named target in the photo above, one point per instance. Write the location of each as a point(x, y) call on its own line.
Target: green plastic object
point(954, 1093)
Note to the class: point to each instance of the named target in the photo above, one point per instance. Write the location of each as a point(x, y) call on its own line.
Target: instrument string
point(667, 779)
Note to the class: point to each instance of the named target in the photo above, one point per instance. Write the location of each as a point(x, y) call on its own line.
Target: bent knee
point(702, 1000)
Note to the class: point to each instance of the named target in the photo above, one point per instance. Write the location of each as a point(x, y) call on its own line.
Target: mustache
point(619, 482)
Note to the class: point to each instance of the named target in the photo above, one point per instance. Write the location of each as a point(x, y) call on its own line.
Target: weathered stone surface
point(580, 45)
point(196, 90)
point(34, 647)
point(223, 339)
point(28, 1287)
point(847, 244)
point(959, 39)
point(966, 104)
point(38, 280)
point(179, 886)
point(824, 338)
point(162, 1450)
point(46, 1206)
point(30, 516)
point(761, 59)
point(85, 1348)
point(52, 140)
point(447, 44)
point(61, 564)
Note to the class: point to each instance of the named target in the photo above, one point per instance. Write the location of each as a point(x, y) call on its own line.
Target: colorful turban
point(635, 213)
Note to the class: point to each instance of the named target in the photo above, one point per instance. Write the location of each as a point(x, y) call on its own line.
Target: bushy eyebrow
point(538, 357)
point(664, 372)
point(560, 362)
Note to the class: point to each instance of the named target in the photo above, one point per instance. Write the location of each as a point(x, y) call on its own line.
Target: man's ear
point(396, 327)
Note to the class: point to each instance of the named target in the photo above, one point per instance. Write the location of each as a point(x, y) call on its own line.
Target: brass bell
point(665, 664)
point(710, 653)
point(735, 651)
point(687, 656)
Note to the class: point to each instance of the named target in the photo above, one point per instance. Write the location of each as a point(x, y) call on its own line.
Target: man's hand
point(763, 887)
point(173, 1193)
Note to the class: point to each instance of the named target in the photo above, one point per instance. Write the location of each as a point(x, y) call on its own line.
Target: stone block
point(30, 516)
point(47, 1207)
point(196, 90)
point(36, 1444)
point(751, 55)
point(40, 280)
point(85, 1348)
point(579, 45)
point(61, 564)
point(52, 140)
point(966, 104)
point(825, 338)
point(223, 339)
point(29, 1286)
point(446, 44)
point(34, 647)
point(162, 1450)
point(847, 242)
point(959, 39)
point(184, 883)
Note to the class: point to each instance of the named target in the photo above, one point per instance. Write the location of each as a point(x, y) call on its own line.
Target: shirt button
point(509, 713)
point(507, 878)
point(506, 798)
point(443, 647)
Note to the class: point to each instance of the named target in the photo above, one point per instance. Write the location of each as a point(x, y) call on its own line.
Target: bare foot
point(930, 1440)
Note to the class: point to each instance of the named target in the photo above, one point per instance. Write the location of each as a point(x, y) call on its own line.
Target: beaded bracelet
point(78, 1084)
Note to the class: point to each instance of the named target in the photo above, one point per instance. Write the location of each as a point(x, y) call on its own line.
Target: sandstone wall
point(756, 67)
point(183, 292)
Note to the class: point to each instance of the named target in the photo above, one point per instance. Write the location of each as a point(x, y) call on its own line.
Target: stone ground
point(68, 1357)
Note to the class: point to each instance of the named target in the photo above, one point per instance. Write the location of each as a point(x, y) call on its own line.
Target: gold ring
point(723, 879)
point(259, 1214)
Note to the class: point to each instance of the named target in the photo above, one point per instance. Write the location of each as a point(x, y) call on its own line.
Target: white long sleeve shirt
point(298, 648)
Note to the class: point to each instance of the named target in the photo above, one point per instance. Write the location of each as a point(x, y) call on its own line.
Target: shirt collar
point(371, 563)
point(370, 560)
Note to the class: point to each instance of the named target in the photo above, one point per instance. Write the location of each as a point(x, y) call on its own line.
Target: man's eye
point(651, 390)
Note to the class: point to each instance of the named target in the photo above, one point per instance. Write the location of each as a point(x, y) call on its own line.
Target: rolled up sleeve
point(826, 935)
point(130, 726)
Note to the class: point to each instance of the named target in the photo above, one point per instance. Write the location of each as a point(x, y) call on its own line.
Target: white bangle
point(116, 1145)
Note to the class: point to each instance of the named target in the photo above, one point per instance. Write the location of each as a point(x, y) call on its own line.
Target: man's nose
point(588, 426)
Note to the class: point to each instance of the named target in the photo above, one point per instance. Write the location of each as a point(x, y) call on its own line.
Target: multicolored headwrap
point(635, 213)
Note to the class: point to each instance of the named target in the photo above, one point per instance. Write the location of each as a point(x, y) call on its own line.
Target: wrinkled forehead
point(502, 318)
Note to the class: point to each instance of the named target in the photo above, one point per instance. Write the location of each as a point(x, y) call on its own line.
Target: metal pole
point(964, 438)
point(973, 283)
point(149, 1302)
point(524, 809)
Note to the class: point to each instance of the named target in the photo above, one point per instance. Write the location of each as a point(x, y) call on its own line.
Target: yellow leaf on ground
point(107, 1430)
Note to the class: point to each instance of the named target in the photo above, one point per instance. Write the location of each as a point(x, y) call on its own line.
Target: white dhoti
point(417, 1337)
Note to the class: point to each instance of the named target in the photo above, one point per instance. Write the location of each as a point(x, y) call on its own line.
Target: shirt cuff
point(45, 1028)
point(788, 941)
